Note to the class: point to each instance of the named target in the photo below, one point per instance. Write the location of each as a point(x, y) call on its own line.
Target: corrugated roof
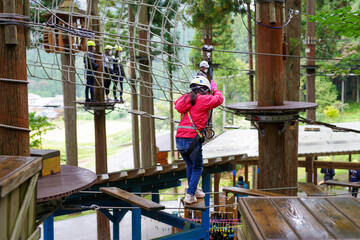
point(324, 142)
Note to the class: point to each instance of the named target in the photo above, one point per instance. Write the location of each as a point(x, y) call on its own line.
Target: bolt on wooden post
point(275, 158)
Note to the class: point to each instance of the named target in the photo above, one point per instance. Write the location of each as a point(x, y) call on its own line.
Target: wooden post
point(275, 157)
point(246, 174)
point(292, 41)
point(217, 177)
point(134, 95)
point(357, 89)
point(171, 106)
point(14, 110)
point(250, 49)
point(342, 93)
point(310, 42)
point(145, 87)
point(69, 94)
point(103, 227)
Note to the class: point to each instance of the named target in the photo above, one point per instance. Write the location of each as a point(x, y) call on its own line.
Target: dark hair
point(241, 178)
point(195, 89)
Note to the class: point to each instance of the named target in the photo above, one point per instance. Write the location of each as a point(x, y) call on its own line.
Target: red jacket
point(199, 112)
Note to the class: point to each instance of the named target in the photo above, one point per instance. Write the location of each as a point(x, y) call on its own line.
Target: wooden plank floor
point(300, 218)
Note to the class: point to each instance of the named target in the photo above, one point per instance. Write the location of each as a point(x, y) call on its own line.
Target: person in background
point(354, 177)
point(204, 68)
point(119, 74)
point(90, 67)
point(241, 184)
point(194, 108)
point(328, 173)
point(108, 70)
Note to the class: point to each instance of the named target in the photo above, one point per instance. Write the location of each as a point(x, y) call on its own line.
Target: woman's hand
point(213, 85)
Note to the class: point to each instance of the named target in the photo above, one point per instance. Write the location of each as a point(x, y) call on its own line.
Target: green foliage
point(338, 32)
point(39, 125)
point(331, 112)
point(326, 92)
point(210, 12)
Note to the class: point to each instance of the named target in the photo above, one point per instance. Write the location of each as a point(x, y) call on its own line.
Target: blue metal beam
point(170, 219)
point(197, 233)
point(49, 228)
point(205, 215)
point(155, 197)
point(118, 216)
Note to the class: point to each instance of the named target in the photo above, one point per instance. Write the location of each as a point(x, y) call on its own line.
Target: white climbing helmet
point(204, 64)
point(200, 80)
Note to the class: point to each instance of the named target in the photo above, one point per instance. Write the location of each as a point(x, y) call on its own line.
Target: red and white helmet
point(200, 80)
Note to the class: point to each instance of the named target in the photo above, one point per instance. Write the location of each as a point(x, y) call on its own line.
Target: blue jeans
point(194, 162)
point(90, 81)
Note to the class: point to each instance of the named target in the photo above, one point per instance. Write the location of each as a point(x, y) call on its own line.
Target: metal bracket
point(286, 125)
point(261, 131)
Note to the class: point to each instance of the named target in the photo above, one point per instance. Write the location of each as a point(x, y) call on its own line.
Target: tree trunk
point(14, 110)
point(134, 94)
point(69, 94)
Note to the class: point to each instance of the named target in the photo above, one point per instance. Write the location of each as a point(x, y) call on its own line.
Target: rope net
point(57, 29)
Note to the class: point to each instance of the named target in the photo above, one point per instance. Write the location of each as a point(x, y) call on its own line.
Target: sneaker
point(121, 100)
point(189, 199)
point(116, 99)
point(199, 193)
point(87, 100)
point(108, 99)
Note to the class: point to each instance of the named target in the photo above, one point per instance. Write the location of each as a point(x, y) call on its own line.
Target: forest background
point(337, 34)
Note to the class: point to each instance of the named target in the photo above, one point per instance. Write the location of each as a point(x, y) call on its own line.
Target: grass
point(119, 133)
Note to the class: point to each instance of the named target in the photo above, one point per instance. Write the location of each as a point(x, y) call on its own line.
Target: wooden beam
point(117, 176)
point(132, 199)
point(243, 191)
point(310, 189)
point(24, 208)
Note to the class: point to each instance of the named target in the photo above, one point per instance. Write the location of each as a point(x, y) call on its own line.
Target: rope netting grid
point(47, 66)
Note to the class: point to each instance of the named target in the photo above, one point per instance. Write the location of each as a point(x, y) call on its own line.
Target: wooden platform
point(70, 180)
point(106, 105)
point(16, 170)
point(199, 205)
point(249, 192)
point(310, 189)
point(132, 198)
point(288, 106)
point(300, 218)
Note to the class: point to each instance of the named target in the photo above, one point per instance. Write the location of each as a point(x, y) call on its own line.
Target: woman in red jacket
point(194, 108)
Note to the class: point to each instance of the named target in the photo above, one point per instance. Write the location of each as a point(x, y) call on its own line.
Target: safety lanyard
point(197, 130)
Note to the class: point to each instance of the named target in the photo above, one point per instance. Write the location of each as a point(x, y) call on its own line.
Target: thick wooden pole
point(250, 49)
point(134, 94)
point(145, 87)
point(103, 226)
point(275, 157)
point(342, 93)
point(357, 89)
point(292, 38)
point(13, 95)
point(69, 93)
point(310, 42)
